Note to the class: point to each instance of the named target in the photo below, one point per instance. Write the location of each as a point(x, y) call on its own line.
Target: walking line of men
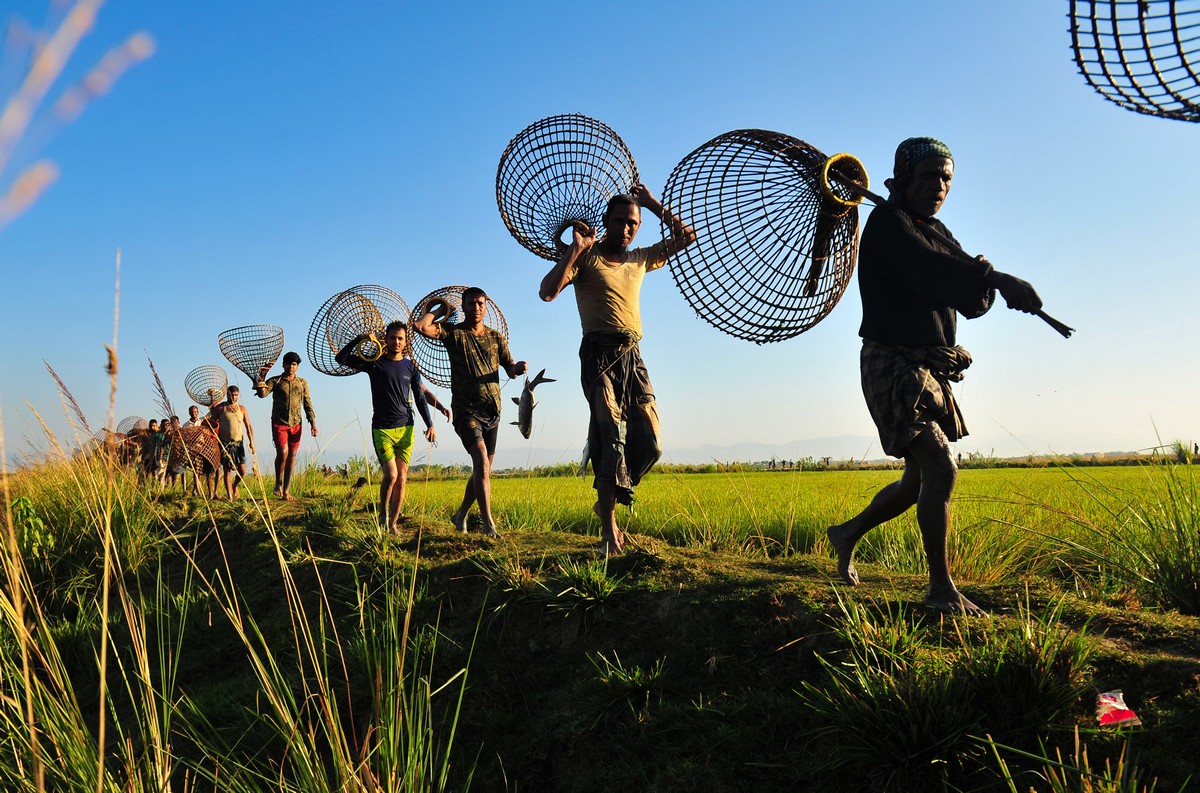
point(912, 286)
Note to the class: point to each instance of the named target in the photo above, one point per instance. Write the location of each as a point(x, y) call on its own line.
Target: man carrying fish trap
point(476, 353)
point(623, 431)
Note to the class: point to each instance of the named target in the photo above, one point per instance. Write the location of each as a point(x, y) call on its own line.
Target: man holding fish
point(476, 354)
point(623, 431)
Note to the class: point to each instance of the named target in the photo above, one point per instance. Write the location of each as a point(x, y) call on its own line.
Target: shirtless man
point(232, 422)
point(623, 433)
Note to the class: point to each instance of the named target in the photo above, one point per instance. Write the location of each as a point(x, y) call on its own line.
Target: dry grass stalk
point(43, 55)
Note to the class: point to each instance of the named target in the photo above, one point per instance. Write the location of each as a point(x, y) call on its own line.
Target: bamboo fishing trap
point(777, 232)
point(131, 424)
point(775, 244)
point(367, 308)
point(558, 172)
point(252, 349)
point(206, 385)
point(190, 445)
point(429, 354)
point(1143, 55)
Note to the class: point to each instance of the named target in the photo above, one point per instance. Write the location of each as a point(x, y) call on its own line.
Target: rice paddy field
point(155, 641)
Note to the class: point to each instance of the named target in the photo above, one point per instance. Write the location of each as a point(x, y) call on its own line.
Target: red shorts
point(285, 435)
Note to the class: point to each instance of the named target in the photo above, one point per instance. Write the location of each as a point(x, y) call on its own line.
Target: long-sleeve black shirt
point(912, 286)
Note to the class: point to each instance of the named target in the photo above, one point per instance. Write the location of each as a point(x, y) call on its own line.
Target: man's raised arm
point(682, 235)
point(560, 274)
point(427, 323)
point(346, 355)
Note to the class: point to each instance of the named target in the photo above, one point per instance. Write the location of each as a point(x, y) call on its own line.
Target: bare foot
point(609, 548)
point(951, 601)
point(491, 533)
point(459, 521)
point(844, 548)
point(279, 492)
point(287, 497)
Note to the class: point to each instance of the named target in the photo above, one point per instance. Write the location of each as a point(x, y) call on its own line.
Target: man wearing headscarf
point(913, 287)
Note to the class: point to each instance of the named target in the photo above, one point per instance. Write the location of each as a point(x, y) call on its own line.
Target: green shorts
point(393, 443)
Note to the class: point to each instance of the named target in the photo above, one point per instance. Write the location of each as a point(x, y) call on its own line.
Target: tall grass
point(896, 711)
point(307, 699)
point(101, 544)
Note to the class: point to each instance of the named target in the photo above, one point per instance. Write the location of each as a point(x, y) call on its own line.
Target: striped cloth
point(908, 389)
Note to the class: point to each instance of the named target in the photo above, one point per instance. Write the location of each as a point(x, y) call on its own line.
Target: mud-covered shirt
point(475, 362)
point(288, 399)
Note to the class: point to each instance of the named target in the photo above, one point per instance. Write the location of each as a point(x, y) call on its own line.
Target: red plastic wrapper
point(1112, 712)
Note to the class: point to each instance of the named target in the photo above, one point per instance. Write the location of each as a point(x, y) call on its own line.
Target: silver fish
point(527, 402)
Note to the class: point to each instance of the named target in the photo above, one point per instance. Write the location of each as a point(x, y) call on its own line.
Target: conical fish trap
point(558, 171)
point(131, 424)
point(1143, 55)
point(430, 355)
point(253, 349)
point(206, 385)
point(367, 308)
point(774, 250)
point(190, 445)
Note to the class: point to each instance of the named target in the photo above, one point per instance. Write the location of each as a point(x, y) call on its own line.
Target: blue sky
point(261, 161)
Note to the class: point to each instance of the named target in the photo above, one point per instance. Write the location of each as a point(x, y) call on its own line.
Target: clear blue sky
point(269, 155)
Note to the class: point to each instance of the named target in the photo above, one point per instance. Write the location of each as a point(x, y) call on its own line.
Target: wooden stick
point(879, 201)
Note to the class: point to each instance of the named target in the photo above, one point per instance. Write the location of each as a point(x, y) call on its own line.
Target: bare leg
point(888, 503)
point(280, 456)
point(938, 475)
point(397, 497)
point(237, 479)
point(459, 519)
point(387, 514)
point(611, 540)
point(289, 460)
point(481, 478)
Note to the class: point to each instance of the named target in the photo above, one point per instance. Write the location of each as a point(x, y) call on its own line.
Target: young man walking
point(233, 422)
point(394, 380)
point(623, 433)
point(476, 354)
point(290, 398)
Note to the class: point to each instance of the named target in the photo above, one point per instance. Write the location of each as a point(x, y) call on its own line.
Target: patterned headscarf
point(912, 151)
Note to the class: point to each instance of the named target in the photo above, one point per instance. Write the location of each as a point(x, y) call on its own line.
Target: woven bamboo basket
point(775, 250)
point(558, 172)
point(367, 308)
point(252, 349)
point(1143, 55)
point(206, 385)
point(430, 355)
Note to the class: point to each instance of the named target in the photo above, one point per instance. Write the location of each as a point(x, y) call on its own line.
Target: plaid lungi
point(908, 389)
point(623, 432)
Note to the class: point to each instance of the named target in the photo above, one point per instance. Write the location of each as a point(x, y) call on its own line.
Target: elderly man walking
point(912, 288)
